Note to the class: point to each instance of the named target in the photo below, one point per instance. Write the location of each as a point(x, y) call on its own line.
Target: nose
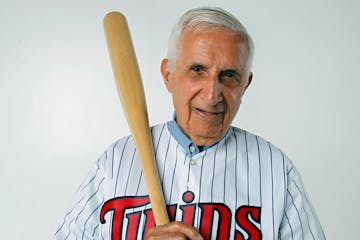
point(212, 90)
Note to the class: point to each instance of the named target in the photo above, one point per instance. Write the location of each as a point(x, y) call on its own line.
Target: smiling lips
point(208, 114)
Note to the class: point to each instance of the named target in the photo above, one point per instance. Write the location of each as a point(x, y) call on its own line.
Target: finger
point(166, 235)
point(177, 227)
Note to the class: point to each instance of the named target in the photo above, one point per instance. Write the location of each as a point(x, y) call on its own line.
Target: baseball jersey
point(242, 187)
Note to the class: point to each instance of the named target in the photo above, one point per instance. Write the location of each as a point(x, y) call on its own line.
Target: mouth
point(208, 114)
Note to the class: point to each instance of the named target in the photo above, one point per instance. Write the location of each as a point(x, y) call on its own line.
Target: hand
point(174, 230)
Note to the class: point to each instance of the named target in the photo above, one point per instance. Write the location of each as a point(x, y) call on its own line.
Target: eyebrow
point(204, 66)
point(231, 70)
point(197, 64)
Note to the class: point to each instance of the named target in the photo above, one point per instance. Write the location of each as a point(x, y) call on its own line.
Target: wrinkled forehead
point(202, 28)
point(220, 34)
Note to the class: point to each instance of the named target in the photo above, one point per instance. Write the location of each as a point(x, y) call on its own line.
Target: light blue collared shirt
point(184, 141)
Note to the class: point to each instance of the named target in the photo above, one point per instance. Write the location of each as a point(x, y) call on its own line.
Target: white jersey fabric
point(242, 187)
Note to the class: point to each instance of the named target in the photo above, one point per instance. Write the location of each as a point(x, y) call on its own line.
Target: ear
point(249, 80)
point(166, 73)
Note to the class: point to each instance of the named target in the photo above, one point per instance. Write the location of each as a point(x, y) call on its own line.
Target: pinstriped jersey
point(242, 187)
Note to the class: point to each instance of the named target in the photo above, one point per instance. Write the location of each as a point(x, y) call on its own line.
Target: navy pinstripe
point(128, 177)
point(94, 231)
point(90, 218)
point(247, 168)
point(87, 201)
point(225, 169)
point(298, 214)
point(272, 189)
point(213, 172)
point(117, 175)
point(89, 180)
point(112, 159)
point(306, 213)
point(201, 172)
point(173, 174)
point(166, 154)
point(291, 230)
point(236, 162)
point(258, 148)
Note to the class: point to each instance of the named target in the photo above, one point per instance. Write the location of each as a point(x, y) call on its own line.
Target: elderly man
point(219, 181)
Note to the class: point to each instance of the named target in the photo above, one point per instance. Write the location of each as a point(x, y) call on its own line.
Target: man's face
point(207, 82)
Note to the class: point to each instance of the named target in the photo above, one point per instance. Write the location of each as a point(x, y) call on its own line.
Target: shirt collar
point(184, 141)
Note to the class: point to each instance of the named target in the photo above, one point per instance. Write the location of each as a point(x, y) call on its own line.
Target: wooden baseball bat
point(131, 93)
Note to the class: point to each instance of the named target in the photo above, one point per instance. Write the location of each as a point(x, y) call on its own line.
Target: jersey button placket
point(192, 183)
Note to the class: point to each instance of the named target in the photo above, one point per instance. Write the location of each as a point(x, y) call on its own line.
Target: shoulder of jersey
point(127, 141)
point(260, 141)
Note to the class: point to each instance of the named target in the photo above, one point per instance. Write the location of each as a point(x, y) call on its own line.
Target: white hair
point(202, 19)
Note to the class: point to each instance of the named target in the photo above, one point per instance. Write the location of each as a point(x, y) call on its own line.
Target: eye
point(197, 68)
point(229, 74)
point(230, 78)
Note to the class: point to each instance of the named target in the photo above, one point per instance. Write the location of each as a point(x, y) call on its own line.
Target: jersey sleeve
point(81, 221)
point(300, 220)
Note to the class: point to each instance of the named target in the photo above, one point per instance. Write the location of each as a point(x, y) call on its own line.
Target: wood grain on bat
point(131, 92)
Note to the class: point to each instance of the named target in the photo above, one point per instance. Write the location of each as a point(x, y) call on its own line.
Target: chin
point(211, 134)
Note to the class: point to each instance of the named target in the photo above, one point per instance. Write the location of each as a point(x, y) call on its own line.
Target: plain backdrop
point(59, 109)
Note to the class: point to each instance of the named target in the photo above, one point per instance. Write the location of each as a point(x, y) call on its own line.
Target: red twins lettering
point(245, 216)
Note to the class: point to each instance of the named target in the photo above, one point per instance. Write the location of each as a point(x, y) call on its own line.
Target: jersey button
point(192, 162)
point(192, 148)
point(189, 184)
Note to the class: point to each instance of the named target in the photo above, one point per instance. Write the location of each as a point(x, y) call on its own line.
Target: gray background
point(59, 108)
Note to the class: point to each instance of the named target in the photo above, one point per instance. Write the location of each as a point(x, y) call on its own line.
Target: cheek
point(187, 91)
point(234, 100)
point(182, 95)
